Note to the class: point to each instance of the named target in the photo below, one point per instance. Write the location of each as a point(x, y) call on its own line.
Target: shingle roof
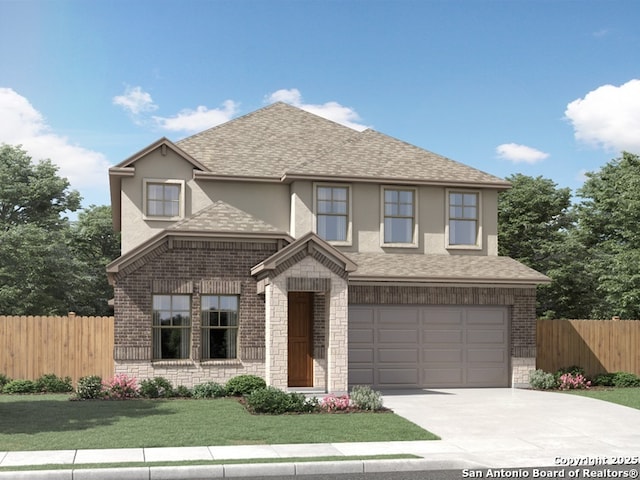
point(265, 143)
point(281, 141)
point(222, 217)
point(443, 268)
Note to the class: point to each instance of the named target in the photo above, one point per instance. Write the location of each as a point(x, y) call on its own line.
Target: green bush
point(158, 387)
point(209, 390)
point(274, 401)
point(625, 379)
point(20, 387)
point(604, 380)
point(541, 380)
point(182, 392)
point(244, 385)
point(365, 398)
point(90, 387)
point(51, 383)
point(3, 381)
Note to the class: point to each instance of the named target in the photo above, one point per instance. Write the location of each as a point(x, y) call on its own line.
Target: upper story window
point(171, 327)
point(333, 208)
point(163, 199)
point(399, 216)
point(463, 219)
point(219, 326)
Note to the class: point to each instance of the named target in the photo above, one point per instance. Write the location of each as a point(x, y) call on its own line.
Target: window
point(163, 199)
point(171, 326)
point(332, 213)
point(399, 211)
point(463, 218)
point(219, 326)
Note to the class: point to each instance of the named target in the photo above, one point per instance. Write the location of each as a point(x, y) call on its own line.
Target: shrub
point(333, 403)
point(20, 387)
point(573, 382)
point(3, 381)
point(625, 379)
point(121, 387)
point(541, 380)
point(182, 392)
point(209, 390)
point(244, 385)
point(90, 387)
point(365, 398)
point(274, 401)
point(156, 387)
point(604, 379)
point(51, 383)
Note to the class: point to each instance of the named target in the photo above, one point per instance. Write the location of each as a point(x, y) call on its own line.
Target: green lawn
point(52, 422)
point(629, 397)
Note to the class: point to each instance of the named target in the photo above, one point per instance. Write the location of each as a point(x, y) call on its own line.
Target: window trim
point(414, 240)
point(162, 181)
point(348, 242)
point(478, 244)
point(154, 327)
point(203, 328)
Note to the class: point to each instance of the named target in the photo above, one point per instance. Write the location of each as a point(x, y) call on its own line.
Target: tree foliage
point(49, 265)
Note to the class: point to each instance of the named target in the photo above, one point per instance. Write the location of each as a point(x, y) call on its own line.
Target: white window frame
point(414, 240)
point(478, 244)
point(348, 241)
point(163, 181)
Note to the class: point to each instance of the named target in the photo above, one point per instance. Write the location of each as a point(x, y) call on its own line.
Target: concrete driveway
point(512, 427)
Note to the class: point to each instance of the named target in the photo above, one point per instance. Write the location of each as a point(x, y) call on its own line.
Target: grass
point(84, 466)
point(629, 397)
point(52, 422)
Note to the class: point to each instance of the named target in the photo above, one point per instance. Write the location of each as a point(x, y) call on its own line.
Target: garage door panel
point(399, 315)
point(442, 355)
point(486, 336)
point(493, 355)
point(397, 336)
point(361, 376)
point(450, 346)
point(396, 355)
point(361, 335)
point(361, 355)
point(398, 376)
point(442, 336)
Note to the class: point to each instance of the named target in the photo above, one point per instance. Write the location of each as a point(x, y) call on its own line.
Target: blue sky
point(547, 88)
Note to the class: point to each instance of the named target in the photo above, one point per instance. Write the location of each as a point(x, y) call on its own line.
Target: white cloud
point(192, 121)
point(520, 153)
point(331, 110)
point(608, 117)
point(22, 124)
point(135, 101)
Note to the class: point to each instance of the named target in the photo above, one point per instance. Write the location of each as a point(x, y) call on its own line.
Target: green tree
point(609, 228)
point(536, 227)
point(32, 193)
point(95, 243)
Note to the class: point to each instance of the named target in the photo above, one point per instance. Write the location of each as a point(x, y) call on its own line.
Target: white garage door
point(399, 346)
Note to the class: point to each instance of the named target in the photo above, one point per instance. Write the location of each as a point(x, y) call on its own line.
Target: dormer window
point(163, 199)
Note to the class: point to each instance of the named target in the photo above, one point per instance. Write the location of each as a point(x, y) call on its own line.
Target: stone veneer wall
point(336, 327)
point(522, 303)
point(191, 267)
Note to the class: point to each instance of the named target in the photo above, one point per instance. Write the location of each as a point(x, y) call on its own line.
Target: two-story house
point(288, 246)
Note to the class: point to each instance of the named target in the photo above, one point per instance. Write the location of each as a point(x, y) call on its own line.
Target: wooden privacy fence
point(598, 346)
point(67, 346)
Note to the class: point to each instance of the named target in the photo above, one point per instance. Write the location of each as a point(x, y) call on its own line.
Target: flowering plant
point(570, 382)
point(333, 403)
point(121, 387)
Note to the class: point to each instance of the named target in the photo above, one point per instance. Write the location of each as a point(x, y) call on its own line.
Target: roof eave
point(449, 280)
point(200, 175)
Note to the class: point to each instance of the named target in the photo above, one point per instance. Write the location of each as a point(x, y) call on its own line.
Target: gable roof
point(397, 267)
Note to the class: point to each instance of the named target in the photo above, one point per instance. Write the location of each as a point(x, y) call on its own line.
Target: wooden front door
point(300, 334)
